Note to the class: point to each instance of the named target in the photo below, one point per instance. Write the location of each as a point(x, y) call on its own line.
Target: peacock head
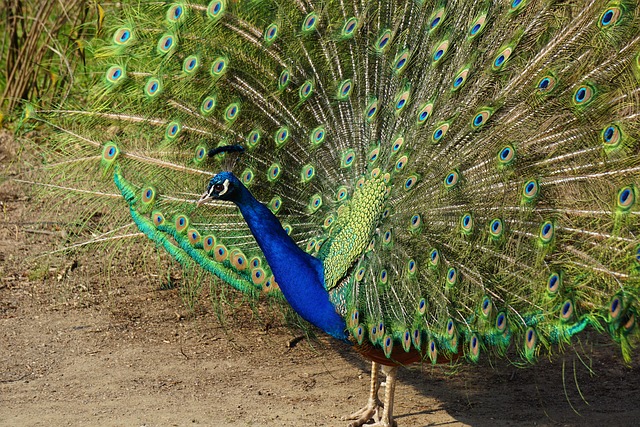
point(222, 186)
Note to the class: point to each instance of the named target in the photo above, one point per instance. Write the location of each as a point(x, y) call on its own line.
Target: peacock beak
point(205, 197)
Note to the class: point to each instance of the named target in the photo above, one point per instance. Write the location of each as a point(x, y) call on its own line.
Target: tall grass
point(41, 46)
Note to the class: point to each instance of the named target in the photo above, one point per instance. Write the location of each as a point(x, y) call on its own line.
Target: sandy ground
point(82, 347)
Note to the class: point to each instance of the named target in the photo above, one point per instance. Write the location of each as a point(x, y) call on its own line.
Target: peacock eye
point(218, 188)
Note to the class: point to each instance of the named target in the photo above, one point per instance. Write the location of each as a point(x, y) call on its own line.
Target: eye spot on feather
point(215, 9)
point(583, 95)
point(191, 64)
point(342, 194)
point(274, 172)
point(384, 276)
point(208, 243)
point(615, 308)
point(270, 33)
point(317, 135)
point(553, 283)
point(401, 101)
point(517, 4)
point(307, 173)
point(401, 163)
point(546, 232)
point(433, 352)
point(181, 223)
point(148, 195)
point(219, 67)
point(153, 87)
point(253, 138)
point(474, 347)
point(566, 312)
point(373, 154)
point(481, 118)
point(439, 51)
point(122, 36)
point(626, 198)
point(110, 152)
point(530, 190)
point(501, 58)
point(486, 306)
point(158, 219)
point(477, 26)
point(281, 136)
point(231, 112)
point(383, 41)
point(258, 276)
point(194, 236)
point(611, 136)
point(411, 267)
point(328, 221)
point(460, 79)
point(283, 80)
point(440, 132)
point(546, 84)
point(310, 22)
point(359, 333)
point(386, 239)
point(165, 44)
point(173, 130)
point(434, 257)
point(496, 228)
point(531, 339)
point(349, 27)
point(371, 110)
point(452, 276)
point(400, 62)
point(305, 90)
point(610, 17)
point(344, 90)
point(115, 74)
point(451, 179)
point(415, 222)
point(466, 223)
point(506, 155)
point(275, 204)
point(397, 144)
point(424, 113)
point(348, 158)
point(422, 306)
point(220, 252)
point(247, 177)
point(315, 203)
point(451, 328)
point(207, 105)
point(501, 322)
point(175, 13)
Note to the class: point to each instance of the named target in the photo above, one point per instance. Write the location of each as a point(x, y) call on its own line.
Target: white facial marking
point(226, 187)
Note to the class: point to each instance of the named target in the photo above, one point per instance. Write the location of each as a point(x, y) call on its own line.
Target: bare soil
point(79, 346)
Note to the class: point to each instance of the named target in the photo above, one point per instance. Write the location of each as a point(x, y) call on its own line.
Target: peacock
point(427, 180)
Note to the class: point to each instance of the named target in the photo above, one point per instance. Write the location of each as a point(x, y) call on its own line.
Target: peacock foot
point(380, 413)
point(372, 411)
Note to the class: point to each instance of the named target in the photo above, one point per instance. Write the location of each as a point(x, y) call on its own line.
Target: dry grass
point(41, 46)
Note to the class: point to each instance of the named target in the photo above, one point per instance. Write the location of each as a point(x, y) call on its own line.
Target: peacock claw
point(370, 412)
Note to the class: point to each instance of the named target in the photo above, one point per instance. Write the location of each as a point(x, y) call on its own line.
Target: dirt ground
point(80, 347)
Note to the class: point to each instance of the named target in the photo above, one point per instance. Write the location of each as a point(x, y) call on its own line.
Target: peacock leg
point(390, 373)
point(371, 411)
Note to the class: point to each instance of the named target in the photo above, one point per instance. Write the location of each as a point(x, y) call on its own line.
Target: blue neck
point(299, 275)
